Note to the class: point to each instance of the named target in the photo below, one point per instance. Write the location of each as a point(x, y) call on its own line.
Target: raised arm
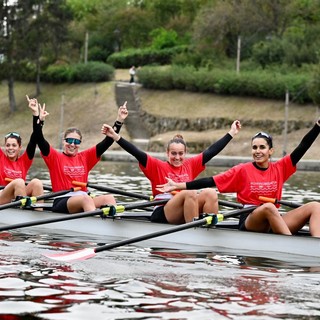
point(140, 155)
point(104, 145)
point(32, 144)
point(219, 145)
point(305, 143)
point(39, 114)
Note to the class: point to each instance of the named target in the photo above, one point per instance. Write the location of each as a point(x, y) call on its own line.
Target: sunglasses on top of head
point(72, 140)
point(263, 134)
point(12, 134)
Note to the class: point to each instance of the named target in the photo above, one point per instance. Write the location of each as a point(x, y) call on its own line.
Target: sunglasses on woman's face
point(72, 140)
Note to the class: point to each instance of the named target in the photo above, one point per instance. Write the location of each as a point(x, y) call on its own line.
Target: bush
point(162, 38)
point(90, 72)
point(251, 83)
point(141, 57)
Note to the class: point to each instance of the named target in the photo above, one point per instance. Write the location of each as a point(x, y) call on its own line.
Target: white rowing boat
point(224, 237)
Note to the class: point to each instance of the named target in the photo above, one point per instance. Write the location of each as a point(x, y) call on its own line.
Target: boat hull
point(222, 238)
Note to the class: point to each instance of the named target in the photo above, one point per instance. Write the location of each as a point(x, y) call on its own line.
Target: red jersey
point(64, 169)
point(13, 169)
point(157, 170)
point(249, 182)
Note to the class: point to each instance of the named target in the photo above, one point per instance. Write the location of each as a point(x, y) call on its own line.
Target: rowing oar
point(103, 212)
point(284, 202)
point(26, 201)
point(230, 204)
point(208, 220)
point(112, 190)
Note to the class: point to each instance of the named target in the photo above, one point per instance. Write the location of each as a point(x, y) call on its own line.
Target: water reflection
point(138, 283)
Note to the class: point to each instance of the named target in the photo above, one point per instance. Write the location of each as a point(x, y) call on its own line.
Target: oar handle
point(266, 199)
point(284, 202)
point(80, 184)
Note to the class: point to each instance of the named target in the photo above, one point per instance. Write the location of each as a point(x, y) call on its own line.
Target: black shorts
point(60, 205)
point(158, 215)
point(242, 221)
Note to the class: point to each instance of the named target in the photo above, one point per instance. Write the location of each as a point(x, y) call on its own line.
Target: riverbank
point(88, 106)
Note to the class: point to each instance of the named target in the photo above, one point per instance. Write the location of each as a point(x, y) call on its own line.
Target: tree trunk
point(38, 85)
point(12, 99)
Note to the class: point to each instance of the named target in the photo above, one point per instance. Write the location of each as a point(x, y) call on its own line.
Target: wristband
point(117, 126)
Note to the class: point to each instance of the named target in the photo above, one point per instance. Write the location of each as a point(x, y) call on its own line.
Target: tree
point(28, 28)
point(14, 16)
point(47, 32)
point(219, 24)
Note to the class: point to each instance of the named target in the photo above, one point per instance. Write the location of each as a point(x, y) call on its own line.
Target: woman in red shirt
point(263, 178)
point(74, 165)
point(188, 204)
point(14, 168)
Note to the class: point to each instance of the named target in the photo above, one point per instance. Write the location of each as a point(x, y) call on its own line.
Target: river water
point(135, 282)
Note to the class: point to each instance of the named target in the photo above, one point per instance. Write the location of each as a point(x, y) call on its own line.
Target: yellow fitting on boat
point(33, 199)
point(220, 217)
point(209, 219)
point(23, 201)
point(120, 209)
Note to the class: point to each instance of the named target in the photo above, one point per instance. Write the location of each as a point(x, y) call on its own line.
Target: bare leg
point(297, 218)
point(85, 203)
point(35, 188)
point(183, 207)
point(80, 203)
point(265, 217)
point(208, 201)
point(14, 188)
point(103, 200)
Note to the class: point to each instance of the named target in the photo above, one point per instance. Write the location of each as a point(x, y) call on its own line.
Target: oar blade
point(78, 255)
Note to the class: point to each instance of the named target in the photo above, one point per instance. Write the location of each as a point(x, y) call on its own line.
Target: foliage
point(314, 85)
point(269, 52)
point(80, 72)
point(220, 81)
point(162, 39)
point(140, 57)
point(197, 35)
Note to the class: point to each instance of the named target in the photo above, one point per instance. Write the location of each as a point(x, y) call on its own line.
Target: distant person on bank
point(132, 73)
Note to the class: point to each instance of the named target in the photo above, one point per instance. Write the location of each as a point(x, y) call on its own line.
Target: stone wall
point(154, 125)
point(157, 124)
